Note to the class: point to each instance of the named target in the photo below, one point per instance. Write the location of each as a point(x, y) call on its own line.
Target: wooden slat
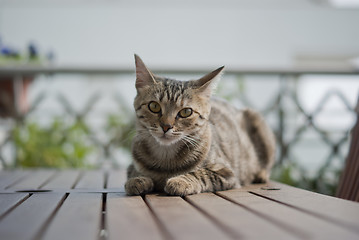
point(130, 218)
point(34, 180)
point(354, 174)
point(26, 220)
point(298, 223)
point(183, 221)
point(116, 180)
point(246, 213)
point(91, 179)
point(9, 200)
point(8, 178)
point(339, 211)
point(243, 224)
point(78, 218)
point(63, 180)
point(348, 187)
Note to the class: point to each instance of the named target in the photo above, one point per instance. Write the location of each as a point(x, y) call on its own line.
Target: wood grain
point(97, 208)
point(26, 220)
point(10, 200)
point(34, 180)
point(116, 180)
point(130, 218)
point(291, 220)
point(8, 178)
point(63, 180)
point(241, 222)
point(338, 211)
point(78, 218)
point(182, 220)
point(92, 179)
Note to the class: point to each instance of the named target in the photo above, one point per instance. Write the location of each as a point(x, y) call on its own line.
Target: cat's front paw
point(180, 186)
point(139, 185)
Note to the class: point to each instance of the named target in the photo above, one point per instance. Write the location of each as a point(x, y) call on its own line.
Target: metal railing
point(276, 108)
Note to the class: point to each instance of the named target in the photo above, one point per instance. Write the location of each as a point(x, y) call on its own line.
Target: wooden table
point(84, 205)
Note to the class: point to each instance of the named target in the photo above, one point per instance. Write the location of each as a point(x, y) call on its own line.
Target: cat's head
point(172, 110)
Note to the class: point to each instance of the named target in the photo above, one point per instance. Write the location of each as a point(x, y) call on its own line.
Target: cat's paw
point(180, 186)
point(139, 185)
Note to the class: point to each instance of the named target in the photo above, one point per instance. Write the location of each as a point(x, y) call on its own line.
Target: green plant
point(60, 145)
point(120, 130)
point(295, 175)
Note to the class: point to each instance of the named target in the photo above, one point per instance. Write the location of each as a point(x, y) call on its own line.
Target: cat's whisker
point(191, 141)
point(185, 142)
point(188, 144)
point(194, 137)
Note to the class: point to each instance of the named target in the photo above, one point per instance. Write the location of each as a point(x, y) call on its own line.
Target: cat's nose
point(166, 127)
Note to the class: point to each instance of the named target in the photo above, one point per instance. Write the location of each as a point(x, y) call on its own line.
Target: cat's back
point(233, 126)
point(226, 124)
point(224, 114)
point(229, 120)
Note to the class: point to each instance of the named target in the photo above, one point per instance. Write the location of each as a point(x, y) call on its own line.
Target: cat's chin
point(166, 141)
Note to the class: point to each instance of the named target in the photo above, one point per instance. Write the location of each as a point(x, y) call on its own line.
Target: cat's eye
point(186, 112)
point(154, 107)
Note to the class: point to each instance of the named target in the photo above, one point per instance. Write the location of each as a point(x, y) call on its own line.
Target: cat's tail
point(263, 141)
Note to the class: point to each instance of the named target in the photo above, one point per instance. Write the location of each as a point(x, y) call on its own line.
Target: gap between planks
point(231, 234)
point(14, 205)
point(166, 234)
point(103, 235)
point(41, 232)
point(270, 219)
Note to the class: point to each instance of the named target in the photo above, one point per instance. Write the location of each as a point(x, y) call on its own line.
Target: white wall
point(181, 33)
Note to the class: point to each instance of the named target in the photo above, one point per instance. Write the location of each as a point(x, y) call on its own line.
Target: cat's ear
point(208, 83)
point(144, 77)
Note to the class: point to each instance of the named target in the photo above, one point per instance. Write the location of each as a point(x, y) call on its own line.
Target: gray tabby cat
point(187, 143)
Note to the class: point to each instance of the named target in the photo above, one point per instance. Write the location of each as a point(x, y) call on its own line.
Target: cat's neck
point(165, 152)
point(183, 148)
point(173, 159)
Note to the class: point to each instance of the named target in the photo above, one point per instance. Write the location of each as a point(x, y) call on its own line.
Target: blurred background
point(67, 76)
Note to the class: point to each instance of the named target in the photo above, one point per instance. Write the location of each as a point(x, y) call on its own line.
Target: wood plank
point(63, 180)
point(78, 218)
point(348, 187)
point(9, 200)
point(298, 223)
point(338, 211)
point(91, 179)
point(34, 180)
point(26, 220)
point(116, 180)
point(183, 221)
point(129, 218)
point(239, 221)
point(8, 178)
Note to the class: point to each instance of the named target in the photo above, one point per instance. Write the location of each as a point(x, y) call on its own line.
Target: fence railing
point(296, 127)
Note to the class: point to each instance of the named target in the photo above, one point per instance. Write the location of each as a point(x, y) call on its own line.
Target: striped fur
point(217, 147)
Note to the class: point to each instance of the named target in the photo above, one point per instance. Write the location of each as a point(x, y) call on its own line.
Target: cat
point(187, 142)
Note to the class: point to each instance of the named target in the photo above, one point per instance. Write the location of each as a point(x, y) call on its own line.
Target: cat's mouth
point(165, 139)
